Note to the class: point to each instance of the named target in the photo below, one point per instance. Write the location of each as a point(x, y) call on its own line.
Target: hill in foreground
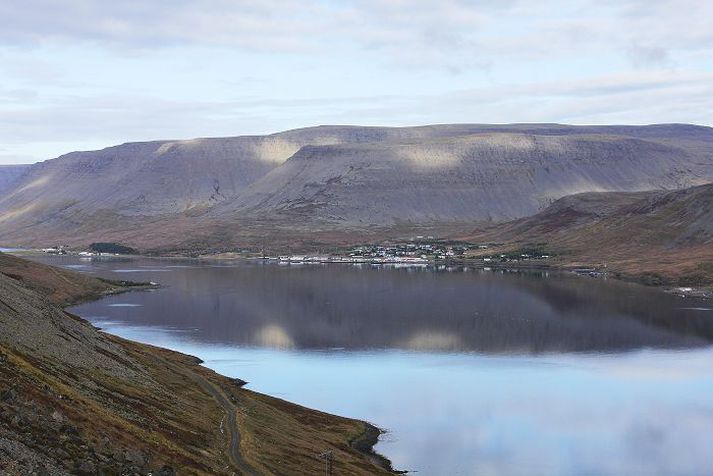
point(74, 400)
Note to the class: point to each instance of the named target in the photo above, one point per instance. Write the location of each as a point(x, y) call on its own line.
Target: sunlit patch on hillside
point(512, 142)
point(581, 186)
point(169, 146)
point(275, 150)
point(429, 157)
point(164, 148)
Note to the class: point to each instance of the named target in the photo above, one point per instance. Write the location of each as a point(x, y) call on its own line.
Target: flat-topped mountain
point(339, 182)
point(478, 177)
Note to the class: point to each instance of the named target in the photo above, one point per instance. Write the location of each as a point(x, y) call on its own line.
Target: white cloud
point(90, 72)
point(448, 26)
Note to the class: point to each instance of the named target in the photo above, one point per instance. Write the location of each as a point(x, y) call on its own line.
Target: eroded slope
point(75, 400)
point(661, 236)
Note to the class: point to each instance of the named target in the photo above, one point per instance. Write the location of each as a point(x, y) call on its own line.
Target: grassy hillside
point(76, 400)
point(659, 237)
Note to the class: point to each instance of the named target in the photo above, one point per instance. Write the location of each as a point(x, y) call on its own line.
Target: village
point(419, 250)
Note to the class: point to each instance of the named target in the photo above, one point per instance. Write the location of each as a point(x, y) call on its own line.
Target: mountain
point(484, 176)
point(9, 174)
point(664, 236)
point(74, 400)
point(336, 184)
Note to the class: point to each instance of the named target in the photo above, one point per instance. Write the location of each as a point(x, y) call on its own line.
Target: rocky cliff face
point(339, 179)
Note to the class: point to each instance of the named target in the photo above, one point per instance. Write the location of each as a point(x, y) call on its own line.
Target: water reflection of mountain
point(342, 306)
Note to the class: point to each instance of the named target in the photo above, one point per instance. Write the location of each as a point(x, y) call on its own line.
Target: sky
point(83, 74)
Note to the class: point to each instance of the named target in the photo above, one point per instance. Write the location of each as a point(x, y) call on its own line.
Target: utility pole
point(328, 457)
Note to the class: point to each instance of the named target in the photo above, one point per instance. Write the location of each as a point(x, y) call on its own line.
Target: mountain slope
point(74, 400)
point(9, 174)
point(667, 234)
point(479, 177)
point(340, 181)
point(164, 177)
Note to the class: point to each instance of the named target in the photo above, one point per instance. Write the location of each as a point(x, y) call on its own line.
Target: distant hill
point(665, 234)
point(335, 184)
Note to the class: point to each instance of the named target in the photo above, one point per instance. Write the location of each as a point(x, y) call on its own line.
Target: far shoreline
point(665, 283)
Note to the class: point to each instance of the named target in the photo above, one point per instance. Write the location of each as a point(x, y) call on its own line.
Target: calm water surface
point(472, 372)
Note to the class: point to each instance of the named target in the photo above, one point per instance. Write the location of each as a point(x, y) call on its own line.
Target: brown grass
point(163, 411)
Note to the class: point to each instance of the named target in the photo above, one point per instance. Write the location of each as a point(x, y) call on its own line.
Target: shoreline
point(264, 433)
point(664, 283)
point(364, 443)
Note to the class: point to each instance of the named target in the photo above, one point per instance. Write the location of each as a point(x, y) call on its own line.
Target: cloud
point(273, 24)
point(83, 73)
point(408, 30)
point(646, 56)
point(639, 97)
point(633, 98)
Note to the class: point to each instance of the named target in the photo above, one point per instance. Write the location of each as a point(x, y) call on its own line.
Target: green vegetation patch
point(111, 248)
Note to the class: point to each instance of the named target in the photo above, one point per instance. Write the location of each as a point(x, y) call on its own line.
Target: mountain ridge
point(661, 237)
point(339, 181)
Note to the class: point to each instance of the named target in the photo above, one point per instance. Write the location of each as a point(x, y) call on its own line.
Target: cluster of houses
point(424, 250)
point(504, 258)
point(419, 250)
point(63, 250)
point(55, 250)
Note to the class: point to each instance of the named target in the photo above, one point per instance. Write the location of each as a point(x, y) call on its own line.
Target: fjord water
point(471, 371)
